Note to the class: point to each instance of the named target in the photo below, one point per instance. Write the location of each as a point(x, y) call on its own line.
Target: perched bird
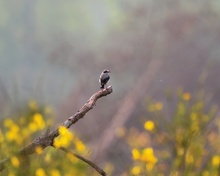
point(104, 78)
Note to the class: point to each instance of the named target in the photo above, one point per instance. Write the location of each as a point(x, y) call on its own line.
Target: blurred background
point(53, 52)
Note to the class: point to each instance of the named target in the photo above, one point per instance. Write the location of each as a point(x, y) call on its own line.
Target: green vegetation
point(185, 143)
point(14, 134)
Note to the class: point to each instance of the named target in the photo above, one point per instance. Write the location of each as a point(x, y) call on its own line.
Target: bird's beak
point(109, 71)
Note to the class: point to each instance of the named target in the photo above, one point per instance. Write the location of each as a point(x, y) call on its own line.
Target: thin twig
point(99, 170)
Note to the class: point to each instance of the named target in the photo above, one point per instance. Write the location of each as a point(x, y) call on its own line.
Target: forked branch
point(47, 139)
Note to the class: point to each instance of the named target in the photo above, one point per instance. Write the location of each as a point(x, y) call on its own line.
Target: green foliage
point(180, 141)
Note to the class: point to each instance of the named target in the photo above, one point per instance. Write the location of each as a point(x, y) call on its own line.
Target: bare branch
point(47, 139)
point(99, 170)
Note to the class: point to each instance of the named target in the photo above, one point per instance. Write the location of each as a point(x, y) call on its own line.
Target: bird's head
point(106, 71)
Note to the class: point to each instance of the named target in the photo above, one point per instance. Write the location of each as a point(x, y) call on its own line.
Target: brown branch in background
point(47, 139)
point(99, 170)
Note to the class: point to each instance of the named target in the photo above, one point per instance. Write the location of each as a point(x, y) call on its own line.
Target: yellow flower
point(38, 150)
point(80, 146)
point(136, 170)
point(72, 158)
point(32, 127)
point(64, 139)
point(135, 154)
point(40, 172)
point(186, 96)
point(60, 142)
point(14, 128)
point(148, 156)
point(54, 172)
point(180, 151)
point(13, 134)
point(174, 173)
point(216, 160)
point(39, 121)
point(8, 123)
point(62, 130)
point(189, 158)
point(149, 166)
point(149, 125)
point(205, 173)
point(15, 161)
point(11, 174)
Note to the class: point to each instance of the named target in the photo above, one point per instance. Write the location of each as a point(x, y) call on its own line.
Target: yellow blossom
point(149, 125)
point(149, 166)
point(216, 160)
point(38, 150)
point(136, 170)
point(174, 173)
point(80, 146)
point(55, 172)
point(205, 173)
point(39, 121)
point(189, 158)
point(64, 139)
point(32, 127)
point(11, 174)
point(148, 156)
point(180, 151)
point(135, 154)
point(72, 158)
point(14, 128)
point(8, 123)
point(60, 142)
point(186, 96)
point(62, 130)
point(12, 134)
point(40, 172)
point(15, 161)
point(25, 132)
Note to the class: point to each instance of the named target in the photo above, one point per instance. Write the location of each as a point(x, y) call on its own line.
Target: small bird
point(104, 78)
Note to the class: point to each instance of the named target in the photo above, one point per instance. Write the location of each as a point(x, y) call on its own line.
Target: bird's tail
point(102, 86)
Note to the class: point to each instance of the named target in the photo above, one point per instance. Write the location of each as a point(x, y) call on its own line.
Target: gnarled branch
point(47, 139)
